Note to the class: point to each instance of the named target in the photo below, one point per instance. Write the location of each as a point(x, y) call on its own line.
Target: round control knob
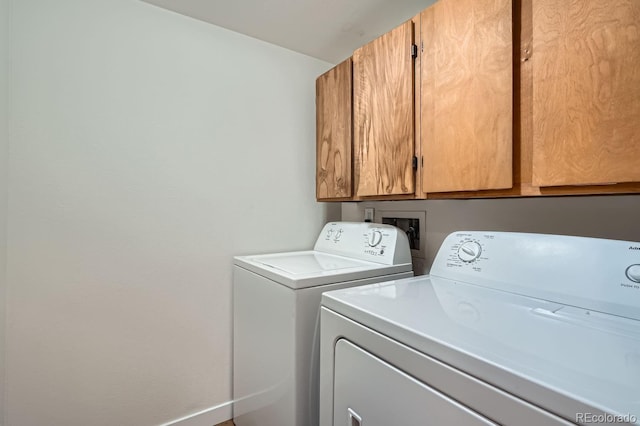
point(338, 235)
point(469, 251)
point(633, 273)
point(375, 237)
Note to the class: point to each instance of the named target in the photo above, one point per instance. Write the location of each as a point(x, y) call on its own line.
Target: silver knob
point(469, 251)
point(633, 273)
point(375, 237)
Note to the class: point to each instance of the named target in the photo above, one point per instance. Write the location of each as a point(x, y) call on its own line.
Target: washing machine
point(276, 301)
point(509, 329)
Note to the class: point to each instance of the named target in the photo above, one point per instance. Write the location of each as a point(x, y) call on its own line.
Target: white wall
point(604, 216)
point(148, 149)
point(4, 146)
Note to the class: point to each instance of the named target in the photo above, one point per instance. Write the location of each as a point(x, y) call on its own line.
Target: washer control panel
point(367, 241)
point(590, 273)
point(334, 234)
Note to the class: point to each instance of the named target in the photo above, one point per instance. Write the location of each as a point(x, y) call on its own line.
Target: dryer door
point(370, 392)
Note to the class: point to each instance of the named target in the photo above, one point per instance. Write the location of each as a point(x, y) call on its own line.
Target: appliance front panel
point(372, 392)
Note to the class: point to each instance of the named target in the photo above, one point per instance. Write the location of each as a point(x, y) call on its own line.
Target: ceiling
point(325, 29)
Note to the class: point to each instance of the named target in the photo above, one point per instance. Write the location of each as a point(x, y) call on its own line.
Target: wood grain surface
point(384, 114)
point(334, 142)
point(467, 95)
point(523, 127)
point(586, 92)
point(525, 190)
point(417, 95)
point(523, 95)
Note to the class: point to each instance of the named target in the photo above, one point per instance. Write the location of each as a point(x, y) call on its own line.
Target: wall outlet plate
point(413, 223)
point(368, 214)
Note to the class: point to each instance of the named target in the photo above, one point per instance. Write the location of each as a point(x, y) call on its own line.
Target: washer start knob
point(375, 238)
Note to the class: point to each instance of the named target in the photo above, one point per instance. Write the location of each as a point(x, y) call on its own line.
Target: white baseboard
point(209, 417)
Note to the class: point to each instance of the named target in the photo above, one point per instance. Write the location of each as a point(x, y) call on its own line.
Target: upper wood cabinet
point(383, 90)
point(466, 100)
point(506, 98)
point(586, 92)
point(334, 133)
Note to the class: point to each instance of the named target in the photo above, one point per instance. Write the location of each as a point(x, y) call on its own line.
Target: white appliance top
point(309, 262)
point(344, 251)
point(590, 273)
point(551, 319)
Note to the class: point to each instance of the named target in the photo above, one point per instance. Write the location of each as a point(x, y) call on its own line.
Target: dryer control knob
point(469, 251)
point(633, 273)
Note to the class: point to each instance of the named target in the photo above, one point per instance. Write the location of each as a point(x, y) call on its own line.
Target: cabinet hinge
point(414, 51)
point(414, 163)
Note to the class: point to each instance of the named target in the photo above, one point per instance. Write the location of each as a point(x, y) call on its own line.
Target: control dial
point(633, 273)
point(469, 251)
point(375, 237)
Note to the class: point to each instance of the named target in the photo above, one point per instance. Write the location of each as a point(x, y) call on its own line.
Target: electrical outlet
point(368, 214)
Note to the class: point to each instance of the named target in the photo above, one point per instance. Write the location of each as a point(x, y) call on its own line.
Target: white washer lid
point(563, 359)
point(307, 262)
point(313, 268)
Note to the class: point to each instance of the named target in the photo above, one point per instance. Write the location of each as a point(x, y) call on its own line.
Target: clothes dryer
point(509, 329)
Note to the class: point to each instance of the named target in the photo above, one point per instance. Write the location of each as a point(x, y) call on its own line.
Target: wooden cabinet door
point(334, 133)
point(384, 114)
point(467, 95)
point(586, 92)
